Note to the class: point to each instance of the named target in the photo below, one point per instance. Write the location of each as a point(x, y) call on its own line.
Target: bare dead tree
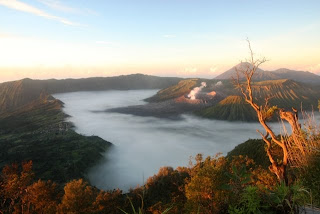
point(264, 112)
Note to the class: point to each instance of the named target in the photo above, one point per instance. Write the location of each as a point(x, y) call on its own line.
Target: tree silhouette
point(293, 146)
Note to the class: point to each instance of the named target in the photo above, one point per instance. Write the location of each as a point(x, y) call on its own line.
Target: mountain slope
point(299, 76)
point(183, 87)
point(231, 108)
point(258, 76)
point(286, 93)
point(18, 93)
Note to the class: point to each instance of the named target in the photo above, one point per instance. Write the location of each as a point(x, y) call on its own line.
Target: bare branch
point(247, 91)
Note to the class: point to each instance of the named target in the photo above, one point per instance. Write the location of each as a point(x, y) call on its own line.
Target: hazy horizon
point(44, 39)
point(159, 75)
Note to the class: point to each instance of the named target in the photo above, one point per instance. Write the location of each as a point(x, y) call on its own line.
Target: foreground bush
point(212, 185)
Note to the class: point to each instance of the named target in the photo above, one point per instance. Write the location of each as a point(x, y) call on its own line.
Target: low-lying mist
point(144, 144)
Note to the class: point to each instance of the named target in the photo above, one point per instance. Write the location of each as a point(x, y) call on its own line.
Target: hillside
point(18, 93)
point(183, 87)
point(231, 108)
point(254, 149)
point(286, 93)
point(37, 131)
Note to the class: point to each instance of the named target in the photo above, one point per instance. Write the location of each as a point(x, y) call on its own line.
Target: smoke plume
point(219, 83)
point(196, 90)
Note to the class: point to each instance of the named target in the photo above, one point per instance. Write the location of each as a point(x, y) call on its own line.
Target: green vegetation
point(253, 149)
point(37, 132)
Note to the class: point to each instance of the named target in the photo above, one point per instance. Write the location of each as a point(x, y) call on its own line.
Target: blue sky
point(60, 39)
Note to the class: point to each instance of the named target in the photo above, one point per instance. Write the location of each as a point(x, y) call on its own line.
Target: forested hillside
point(37, 131)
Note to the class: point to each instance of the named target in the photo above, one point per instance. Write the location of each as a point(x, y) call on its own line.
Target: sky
point(45, 39)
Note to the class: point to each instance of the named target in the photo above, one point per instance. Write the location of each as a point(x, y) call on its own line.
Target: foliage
point(166, 190)
point(78, 197)
point(204, 192)
point(140, 210)
point(20, 193)
point(289, 199)
point(310, 178)
point(41, 197)
point(254, 149)
point(109, 201)
point(14, 182)
point(250, 202)
point(212, 185)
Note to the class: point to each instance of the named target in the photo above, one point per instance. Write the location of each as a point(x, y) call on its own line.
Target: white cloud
point(60, 6)
point(57, 5)
point(18, 5)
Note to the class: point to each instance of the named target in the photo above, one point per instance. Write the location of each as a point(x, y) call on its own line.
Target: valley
point(31, 114)
point(65, 126)
point(159, 107)
point(144, 144)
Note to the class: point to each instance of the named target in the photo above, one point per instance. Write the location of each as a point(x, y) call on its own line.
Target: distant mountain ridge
point(258, 76)
point(282, 73)
point(18, 93)
point(286, 93)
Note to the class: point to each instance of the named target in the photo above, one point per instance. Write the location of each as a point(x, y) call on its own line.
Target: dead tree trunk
point(279, 168)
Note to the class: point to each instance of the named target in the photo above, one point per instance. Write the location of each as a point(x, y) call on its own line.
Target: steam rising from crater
point(196, 90)
point(219, 83)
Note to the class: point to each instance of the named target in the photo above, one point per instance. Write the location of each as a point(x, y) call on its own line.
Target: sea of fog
point(144, 144)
